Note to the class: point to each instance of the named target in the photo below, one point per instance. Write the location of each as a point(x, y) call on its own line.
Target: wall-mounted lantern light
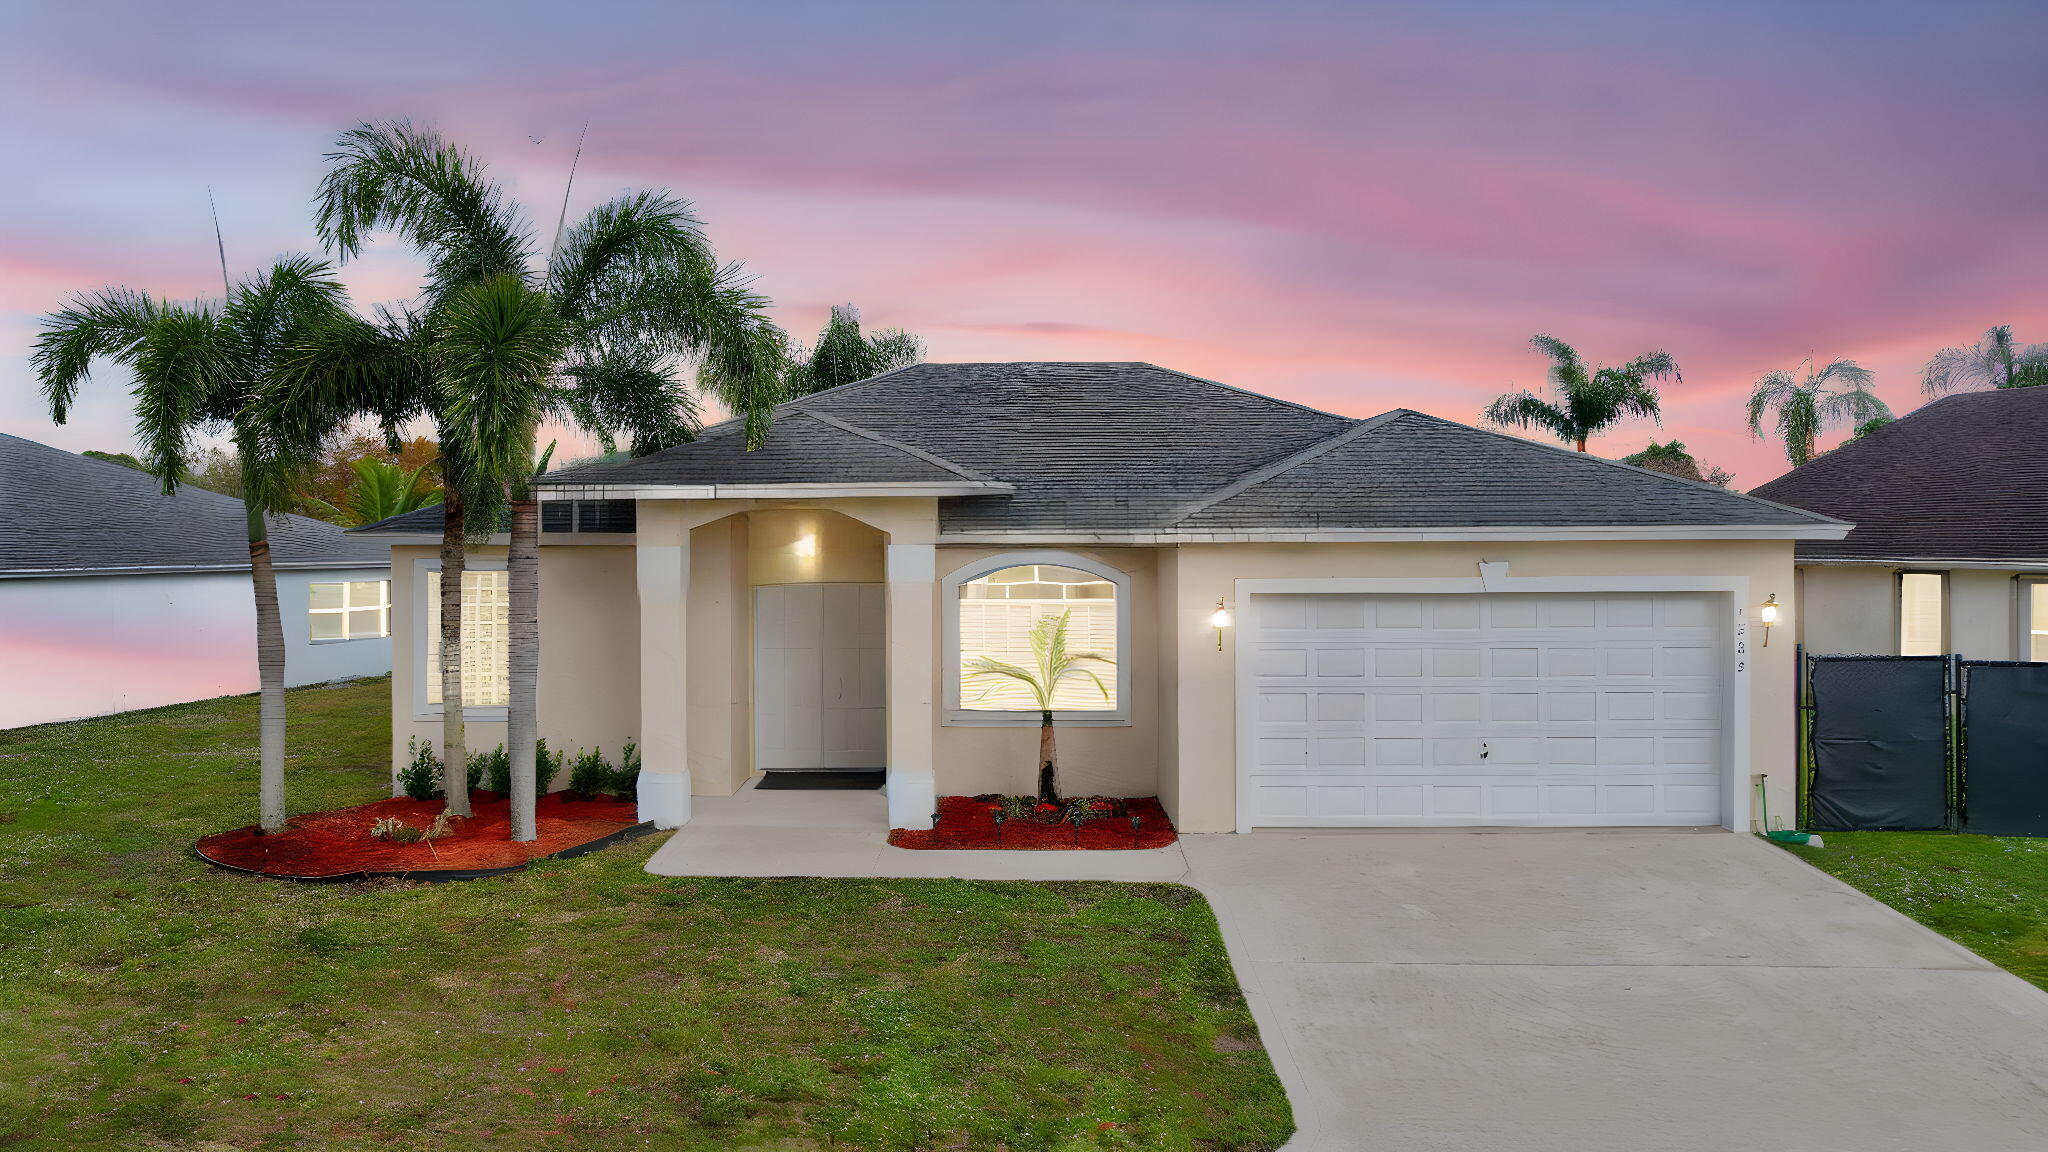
point(1768, 614)
point(1219, 620)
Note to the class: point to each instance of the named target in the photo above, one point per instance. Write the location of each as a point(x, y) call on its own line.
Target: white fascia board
point(772, 491)
point(175, 569)
point(1405, 535)
point(1923, 562)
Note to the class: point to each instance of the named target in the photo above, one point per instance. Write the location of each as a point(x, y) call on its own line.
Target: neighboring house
point(114, 596)
point(1421, 623)
point(1950, 550)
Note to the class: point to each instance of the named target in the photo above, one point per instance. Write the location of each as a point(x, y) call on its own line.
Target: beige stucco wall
point(1853, 608)
point(1116, 760)
point(1203, 704)
point(590, 642)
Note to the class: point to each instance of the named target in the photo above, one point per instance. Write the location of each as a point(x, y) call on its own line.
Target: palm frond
point(1524, 410)
point(498, 343)
point(112, 322)
point(436, 196)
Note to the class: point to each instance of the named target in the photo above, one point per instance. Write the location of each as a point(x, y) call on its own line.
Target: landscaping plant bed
point(337, 845)
point(969, 822)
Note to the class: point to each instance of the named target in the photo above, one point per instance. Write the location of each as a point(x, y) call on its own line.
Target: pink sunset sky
point(1358, 207)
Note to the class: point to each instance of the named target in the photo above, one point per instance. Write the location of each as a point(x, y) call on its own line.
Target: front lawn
point(1987, 893)
point(147, 1000)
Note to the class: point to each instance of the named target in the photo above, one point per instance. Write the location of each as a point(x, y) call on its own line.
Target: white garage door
point(1482, 709)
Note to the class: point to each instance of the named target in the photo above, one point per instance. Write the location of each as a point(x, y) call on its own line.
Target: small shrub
point(497, 770)
point(590, 774)
point(477, 769)
point(421, 779)
point(625, 783)
point(546, 765)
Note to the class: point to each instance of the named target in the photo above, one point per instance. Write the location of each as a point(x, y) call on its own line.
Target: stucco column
point(913, 681)
point(663, 566)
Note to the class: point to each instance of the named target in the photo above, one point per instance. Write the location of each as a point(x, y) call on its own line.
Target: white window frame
point(2023, 612)
point(422, 585)
point(957, 715)
point(383, 604)
point(1899, 609)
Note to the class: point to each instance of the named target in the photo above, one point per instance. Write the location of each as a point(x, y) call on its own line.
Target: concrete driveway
point(1654, 991)
point(1529, 991)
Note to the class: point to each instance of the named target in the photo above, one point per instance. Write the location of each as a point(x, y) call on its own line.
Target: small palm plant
point(1995, 361)
point(1053, 665)
point(380, 491)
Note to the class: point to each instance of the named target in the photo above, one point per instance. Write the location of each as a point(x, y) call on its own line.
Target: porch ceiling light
point(1219, 620)
point(806, 546)
point(1768, 614)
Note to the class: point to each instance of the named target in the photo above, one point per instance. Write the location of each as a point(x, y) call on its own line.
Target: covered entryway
point(1366, 709)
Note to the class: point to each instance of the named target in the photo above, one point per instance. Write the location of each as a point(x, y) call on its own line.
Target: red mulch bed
point(968, 822)
point(337, 844)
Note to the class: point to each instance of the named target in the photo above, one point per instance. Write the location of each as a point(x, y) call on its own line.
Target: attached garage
point(1363, 709)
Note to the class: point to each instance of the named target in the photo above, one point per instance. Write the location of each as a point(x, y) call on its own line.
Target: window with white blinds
point(996, 615)
point(1923, 604)
point(485, 604)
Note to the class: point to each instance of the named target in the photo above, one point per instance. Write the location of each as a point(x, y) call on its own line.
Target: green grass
point(144, 997)
point(1987, 893)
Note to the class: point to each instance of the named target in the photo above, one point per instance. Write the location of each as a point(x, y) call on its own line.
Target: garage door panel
point(1485, 709)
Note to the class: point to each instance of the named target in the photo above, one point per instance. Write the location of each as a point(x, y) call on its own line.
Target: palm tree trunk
point(454, 738)
point(269, 677)
point(1580, 443)
point(522, 711)
point(1048, 762)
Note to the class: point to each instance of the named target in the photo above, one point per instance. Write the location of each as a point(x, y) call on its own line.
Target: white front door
point(1552, 709)
point(818, 677)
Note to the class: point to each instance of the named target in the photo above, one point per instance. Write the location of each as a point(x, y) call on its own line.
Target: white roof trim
point(1395, 535)
point(1923, 562)
point(601, 491)
point(168, 569)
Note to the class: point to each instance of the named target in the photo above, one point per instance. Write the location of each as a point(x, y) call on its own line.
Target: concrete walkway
point(1536, 991)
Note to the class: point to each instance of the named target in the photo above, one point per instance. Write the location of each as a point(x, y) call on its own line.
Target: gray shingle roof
point(1409, 470)
point(62, 513)
point(802, 446)
point(1126, 447)
point(1962, 478)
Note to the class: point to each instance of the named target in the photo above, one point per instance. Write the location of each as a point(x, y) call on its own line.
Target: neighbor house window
point(1923, 613)
point(484, 608)
point(991, 610)
point(2034, 619)
point(349, 609)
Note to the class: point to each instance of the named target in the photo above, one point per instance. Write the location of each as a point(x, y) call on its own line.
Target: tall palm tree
point(1051, 666)
point(595, 334)
point(1811, 399)
point(199, 369)
point(1586, 401)
point(843, 354)
point(1995, 361)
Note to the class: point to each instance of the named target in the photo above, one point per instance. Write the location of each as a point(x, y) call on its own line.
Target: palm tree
point(198, 369)
point(380, 491)
point(595, 335)
point(1995, 361)
point(843, 354)
point(1052, 665)
point(1586, 402)
point(1809, 400)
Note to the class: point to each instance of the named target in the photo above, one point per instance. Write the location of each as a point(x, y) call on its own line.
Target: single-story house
point(114, 596)
point(1315, 620)
point(1950, 549)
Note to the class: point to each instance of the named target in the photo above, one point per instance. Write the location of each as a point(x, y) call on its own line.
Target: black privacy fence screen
point(1923, 742)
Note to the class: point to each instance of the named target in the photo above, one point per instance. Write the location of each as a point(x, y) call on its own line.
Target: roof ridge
point(1259, 476)
point(898, 445)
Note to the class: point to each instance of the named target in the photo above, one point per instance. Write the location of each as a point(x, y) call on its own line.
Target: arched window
point(991, 608)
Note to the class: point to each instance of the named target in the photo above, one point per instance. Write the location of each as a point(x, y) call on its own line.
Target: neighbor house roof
point(67, 515)
point(1138, 452)
point(1964, 478)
